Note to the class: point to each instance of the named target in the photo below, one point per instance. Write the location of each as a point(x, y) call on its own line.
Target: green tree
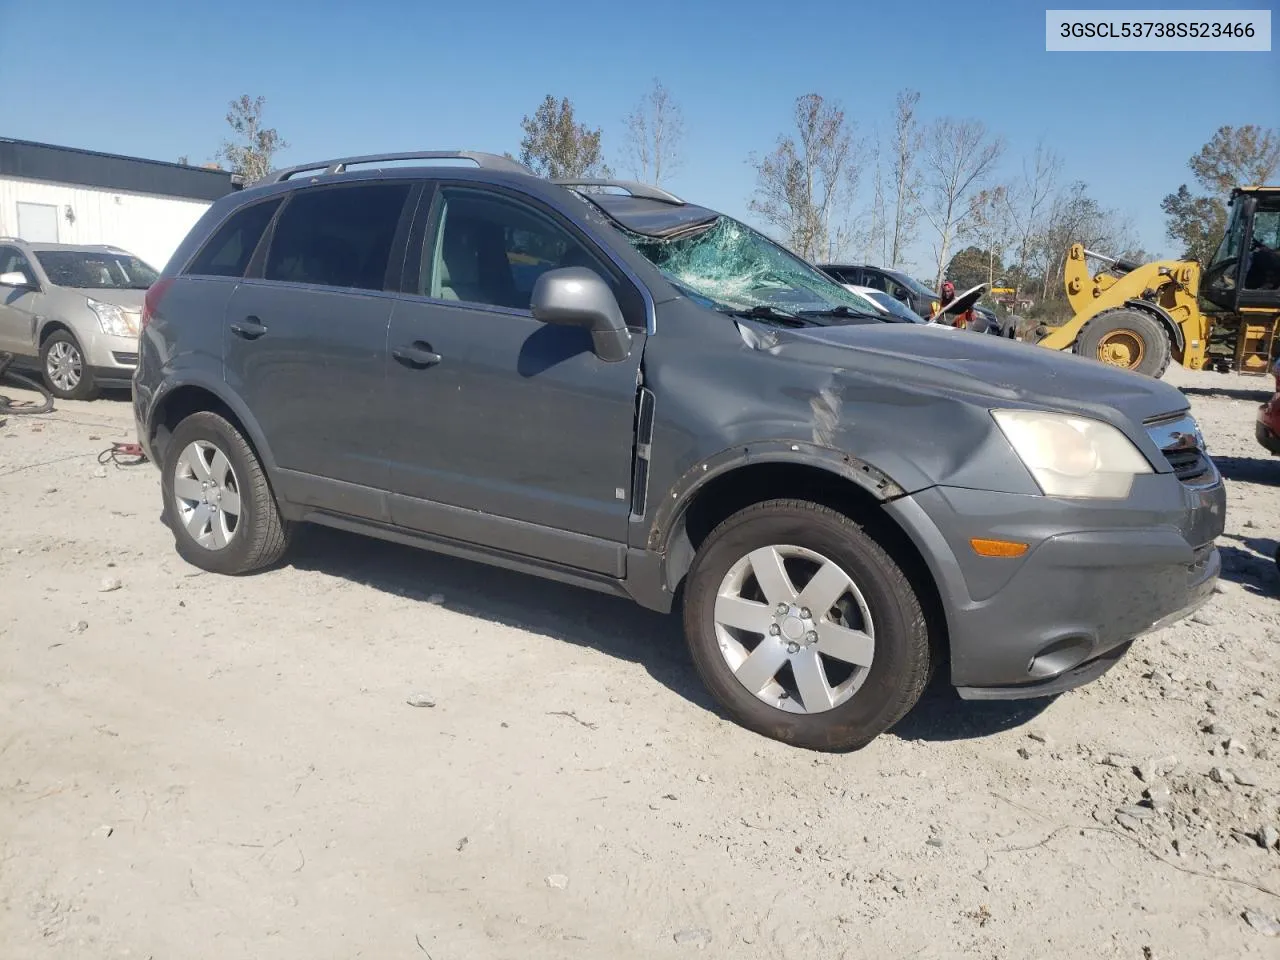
point(972, 266)
point(555, 145)
point(1234, 156)
point(251, 148)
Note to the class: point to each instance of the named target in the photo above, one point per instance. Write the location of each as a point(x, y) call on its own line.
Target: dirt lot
point(193, 766)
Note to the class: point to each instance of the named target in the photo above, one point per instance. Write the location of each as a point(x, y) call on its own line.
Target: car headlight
point(115, 321)
point(1073, 456)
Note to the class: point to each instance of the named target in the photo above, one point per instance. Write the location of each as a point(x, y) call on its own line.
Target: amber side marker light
point(997, 548)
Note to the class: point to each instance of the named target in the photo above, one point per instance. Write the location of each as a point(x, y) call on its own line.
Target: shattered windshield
point(734, 269)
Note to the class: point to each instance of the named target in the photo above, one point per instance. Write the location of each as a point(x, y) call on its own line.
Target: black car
point(897, 284)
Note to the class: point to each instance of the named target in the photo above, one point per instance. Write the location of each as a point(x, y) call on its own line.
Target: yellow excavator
point(1141, 316)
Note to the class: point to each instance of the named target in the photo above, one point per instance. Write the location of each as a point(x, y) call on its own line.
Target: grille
point(1180, 441)
point(1188, 465)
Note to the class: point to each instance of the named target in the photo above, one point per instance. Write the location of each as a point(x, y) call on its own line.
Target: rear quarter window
point(229, 250)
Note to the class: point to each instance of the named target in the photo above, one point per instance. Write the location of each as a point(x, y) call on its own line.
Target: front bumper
point(1096, 576)
point(112, 359)
point(1267, 429)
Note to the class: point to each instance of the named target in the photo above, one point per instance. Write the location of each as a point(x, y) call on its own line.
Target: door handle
point(418, 355)
point(250, 328)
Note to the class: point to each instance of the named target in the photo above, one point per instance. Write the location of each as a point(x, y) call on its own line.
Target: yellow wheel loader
point(1141, 316)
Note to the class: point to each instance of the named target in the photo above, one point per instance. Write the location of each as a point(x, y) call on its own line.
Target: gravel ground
point(373, 752)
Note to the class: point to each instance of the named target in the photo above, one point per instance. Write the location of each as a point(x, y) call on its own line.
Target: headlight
point(1073, 456)
point(115, 321)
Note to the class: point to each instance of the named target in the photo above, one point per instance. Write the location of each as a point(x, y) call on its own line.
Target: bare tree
point(991, 227)
point(959, 157)
point(804, 187)
point(1028, 201)
point(877, 234)
point(1075, 217)
point(905, 174)
point(556, 145)
point(250, 151)
point(655, 129)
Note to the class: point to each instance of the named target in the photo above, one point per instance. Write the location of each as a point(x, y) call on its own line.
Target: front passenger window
point(490, 250)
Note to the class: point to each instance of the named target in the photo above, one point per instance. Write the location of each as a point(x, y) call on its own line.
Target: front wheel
point(1127, 338)
point(804, 628)
point(66, 373)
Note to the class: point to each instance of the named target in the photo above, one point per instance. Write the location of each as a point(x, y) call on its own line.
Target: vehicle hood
point(933, 358)
point(128, 299)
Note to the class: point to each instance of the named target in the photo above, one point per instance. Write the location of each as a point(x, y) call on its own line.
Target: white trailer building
point(52, 194)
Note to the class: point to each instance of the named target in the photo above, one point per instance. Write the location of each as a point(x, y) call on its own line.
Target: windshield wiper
point(763, 312)
point(840, 311)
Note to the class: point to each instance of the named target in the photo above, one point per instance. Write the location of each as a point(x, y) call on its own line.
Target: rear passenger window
point(227, 254)
point(337, 237)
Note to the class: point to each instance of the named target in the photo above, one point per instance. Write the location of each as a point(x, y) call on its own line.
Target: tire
point(63, 366)
point(861, 701)
point(206, 534)
point(1130, 338)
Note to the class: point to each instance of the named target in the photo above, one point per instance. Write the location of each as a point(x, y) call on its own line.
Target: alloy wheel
point(206, 495)
point(794, 628)
point(64, 365)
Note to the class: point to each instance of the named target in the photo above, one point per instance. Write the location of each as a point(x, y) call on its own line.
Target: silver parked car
point(74, 310)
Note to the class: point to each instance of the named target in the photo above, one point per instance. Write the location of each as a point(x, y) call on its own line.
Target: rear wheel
point(1127, 338)
point(804, 628)
point(217, 499)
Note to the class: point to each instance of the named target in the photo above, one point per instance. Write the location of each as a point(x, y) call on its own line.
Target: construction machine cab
point(1245, 270)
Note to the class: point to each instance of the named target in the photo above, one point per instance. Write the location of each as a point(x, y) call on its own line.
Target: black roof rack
point(488, 161)
point(642, 190)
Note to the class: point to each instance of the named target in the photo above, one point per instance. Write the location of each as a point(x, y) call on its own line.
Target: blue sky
point(153, 79)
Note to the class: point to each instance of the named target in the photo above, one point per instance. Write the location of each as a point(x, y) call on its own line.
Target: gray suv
point(599, 383)
point(74, 310)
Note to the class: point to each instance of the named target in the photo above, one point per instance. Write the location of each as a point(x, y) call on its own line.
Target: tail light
point(152, 300)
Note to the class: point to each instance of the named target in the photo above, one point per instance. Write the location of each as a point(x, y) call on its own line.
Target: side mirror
point(578, 297)
point(16, 279)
